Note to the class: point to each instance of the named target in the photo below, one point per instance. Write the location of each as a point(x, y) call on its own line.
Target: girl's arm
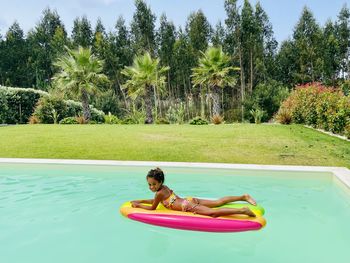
point(146, 201)
point(154, 205)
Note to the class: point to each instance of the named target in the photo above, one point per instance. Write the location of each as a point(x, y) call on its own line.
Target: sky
point(283, 14)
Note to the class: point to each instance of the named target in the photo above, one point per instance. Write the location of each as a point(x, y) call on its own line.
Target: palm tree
point(80, 75)
point(213, 71)
point(145, 78)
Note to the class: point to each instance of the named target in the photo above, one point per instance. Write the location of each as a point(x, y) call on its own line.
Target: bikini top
point(168, 203)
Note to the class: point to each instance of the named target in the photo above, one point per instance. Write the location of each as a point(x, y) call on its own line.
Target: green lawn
point(231, 143)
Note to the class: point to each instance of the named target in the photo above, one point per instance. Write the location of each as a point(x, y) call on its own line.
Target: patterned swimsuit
point(187, 204)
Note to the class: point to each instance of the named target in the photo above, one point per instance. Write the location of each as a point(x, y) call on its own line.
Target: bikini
point(187, 204)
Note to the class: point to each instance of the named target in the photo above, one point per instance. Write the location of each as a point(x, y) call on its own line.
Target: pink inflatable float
point(189, 221)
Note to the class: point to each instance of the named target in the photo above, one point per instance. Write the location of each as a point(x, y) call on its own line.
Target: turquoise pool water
point(70, 213)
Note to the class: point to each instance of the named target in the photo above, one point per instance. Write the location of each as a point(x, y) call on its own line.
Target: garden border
point(342, 173)
point(328, 133)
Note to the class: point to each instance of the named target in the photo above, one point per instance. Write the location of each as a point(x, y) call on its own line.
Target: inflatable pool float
point(189, 221)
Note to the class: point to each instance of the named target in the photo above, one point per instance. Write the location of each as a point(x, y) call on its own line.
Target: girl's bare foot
point(248, 212)
point(249, 199)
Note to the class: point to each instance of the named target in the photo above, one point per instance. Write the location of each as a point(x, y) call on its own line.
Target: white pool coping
point(342, 173)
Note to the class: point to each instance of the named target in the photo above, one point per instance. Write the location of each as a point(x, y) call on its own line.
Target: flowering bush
point(318, 106)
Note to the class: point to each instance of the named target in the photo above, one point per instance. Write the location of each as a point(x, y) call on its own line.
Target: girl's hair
point(157, 174)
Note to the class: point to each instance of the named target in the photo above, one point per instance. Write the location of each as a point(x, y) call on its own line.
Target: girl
point(169, 199)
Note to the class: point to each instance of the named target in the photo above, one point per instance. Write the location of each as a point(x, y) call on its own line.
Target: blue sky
point(283, 14)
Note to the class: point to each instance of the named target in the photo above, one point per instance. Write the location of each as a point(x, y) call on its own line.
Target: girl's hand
point(135, 204)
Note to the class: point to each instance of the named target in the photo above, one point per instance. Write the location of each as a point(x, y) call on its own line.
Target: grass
point(231, 143)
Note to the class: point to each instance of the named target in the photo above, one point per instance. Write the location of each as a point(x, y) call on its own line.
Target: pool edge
point(342, 173)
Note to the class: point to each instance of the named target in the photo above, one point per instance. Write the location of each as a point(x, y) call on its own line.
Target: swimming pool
point(70, 213)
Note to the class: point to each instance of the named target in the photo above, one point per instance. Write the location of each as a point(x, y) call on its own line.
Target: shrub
point(176, 113)
point(346, 87)
point(129, 120)
point(316, 105)
point(135, 117)
point(53, 109)
point(284, 116)
point(162, 121)
point(3, 108)
point(267, 96)
point(347, 130)
point(111, 119)
point(217, 119)
point(69, 120)
point(81, 120)
point(50, 109)
point(257, 115)
point(20, 104)
point(108, 102)
point(33, 120)
point(198, 121)
point(233, 115)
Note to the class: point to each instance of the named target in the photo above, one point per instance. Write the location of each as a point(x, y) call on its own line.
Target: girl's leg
point(203, 210)
point(225, 200)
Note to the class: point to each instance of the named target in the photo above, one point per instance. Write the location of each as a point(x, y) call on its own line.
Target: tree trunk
point(242, 80)
point(251, 72)
point(148, 102)
point(202, 94)
point(216, 101)
point(85, 103)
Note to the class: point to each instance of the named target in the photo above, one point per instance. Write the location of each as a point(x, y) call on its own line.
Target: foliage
point(145, 79)
point(347, 130)
point(346, 87)
point(19, 104)
point(162, 121)
point(81, 120)
point(268, 97)
point(233, 115)
point(33, 120)
point(135, 116)
point(214, 72)
point(142, 26)
point(284, 116)
point(111, 119)
point(46, 42)
point(3, 107)
point(312, 53)
point(217, 119)
point(257, 115)
point(82, 32)
point(69, 120)
point(80, 75)
point(176, 113)
point(198, 121)
point(52, 109)
point(108, 102)
point(198, 30)
point(318, 106)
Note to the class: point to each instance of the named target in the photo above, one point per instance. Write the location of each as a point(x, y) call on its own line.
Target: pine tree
point(46, 42)
point(142, 28)
point(198, 30)
point(14, 58)
point(307, 38)
point(166, 41)
point(330, 58)
point(82, 34)
point(343, 36)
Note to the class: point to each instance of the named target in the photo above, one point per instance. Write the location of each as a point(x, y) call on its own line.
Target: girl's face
point(153, 184)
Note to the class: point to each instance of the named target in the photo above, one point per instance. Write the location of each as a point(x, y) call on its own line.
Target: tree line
point(313, 53)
